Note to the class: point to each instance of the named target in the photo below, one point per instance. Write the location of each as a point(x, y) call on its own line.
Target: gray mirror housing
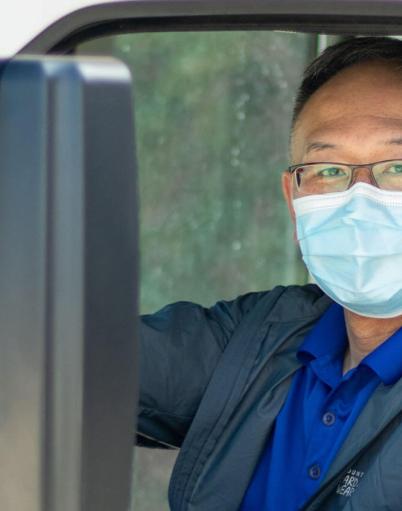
point(68, 284)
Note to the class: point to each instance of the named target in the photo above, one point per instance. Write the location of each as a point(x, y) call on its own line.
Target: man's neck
point(365, 335)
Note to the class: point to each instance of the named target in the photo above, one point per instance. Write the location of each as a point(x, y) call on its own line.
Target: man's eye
point(395, 169)
point(331, 172)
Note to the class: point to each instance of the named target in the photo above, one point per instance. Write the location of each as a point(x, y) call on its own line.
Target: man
point(292, 399)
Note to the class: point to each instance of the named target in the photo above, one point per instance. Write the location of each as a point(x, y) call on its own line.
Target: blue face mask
point(352, 245)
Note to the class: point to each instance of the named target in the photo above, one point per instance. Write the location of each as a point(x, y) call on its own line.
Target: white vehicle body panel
point(22, 20)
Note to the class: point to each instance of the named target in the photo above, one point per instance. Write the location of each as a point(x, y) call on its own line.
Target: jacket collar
point(384, 406)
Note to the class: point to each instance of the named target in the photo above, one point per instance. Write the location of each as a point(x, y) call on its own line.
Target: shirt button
point(314, 471)
point(328, 418)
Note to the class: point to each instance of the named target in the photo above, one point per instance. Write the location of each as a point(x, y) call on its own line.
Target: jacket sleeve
point(180, 347)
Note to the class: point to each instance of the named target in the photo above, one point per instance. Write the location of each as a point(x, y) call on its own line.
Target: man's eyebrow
point(395, 141)
point(317, 146)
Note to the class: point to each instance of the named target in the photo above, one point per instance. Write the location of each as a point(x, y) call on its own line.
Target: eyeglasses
point(328, 177)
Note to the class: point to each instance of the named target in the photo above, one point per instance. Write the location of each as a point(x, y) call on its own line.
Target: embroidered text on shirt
point(349, 483)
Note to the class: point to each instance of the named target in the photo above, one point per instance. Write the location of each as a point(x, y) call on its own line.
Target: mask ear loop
point(298, 177)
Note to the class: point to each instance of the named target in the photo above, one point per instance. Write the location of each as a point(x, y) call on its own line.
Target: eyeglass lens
point(320, 178)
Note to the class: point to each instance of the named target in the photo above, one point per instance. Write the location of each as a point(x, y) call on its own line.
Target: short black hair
point(341, 55)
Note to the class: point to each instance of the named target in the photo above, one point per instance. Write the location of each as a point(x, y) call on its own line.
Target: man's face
point(355, 118)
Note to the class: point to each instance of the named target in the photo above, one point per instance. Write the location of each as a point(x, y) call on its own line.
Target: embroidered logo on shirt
point(349, 483)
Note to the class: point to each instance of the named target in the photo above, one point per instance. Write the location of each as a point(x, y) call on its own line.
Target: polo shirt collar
point(386, 359)
point(328, 340)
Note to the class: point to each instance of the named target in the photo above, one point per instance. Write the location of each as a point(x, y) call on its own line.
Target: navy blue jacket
point(213, 381)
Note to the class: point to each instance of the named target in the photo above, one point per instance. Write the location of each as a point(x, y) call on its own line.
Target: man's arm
point(179, 349)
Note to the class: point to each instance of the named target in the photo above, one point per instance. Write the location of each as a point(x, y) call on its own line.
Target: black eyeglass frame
point(293, 168)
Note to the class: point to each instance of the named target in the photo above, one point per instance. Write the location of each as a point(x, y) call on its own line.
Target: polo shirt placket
point(321, 407)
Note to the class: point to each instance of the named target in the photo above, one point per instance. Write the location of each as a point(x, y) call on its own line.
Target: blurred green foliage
point(212, 118)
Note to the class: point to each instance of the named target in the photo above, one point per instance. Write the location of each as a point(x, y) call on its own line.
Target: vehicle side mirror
point(68, 284)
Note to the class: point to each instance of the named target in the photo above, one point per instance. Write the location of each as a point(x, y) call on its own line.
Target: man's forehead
point(365, 97)
point(384, 126)
point(348, 135)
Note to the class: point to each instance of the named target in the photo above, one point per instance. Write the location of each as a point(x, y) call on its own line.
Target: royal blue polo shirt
point(321, 407)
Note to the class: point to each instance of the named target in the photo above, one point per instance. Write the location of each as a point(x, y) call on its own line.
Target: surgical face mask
point(352, 245)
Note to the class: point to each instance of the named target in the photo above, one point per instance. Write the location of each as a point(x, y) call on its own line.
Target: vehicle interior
point(212, 90)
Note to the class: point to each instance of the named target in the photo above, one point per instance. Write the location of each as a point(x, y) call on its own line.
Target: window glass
point(213, 116)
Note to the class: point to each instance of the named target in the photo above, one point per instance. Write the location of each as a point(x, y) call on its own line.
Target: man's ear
point(287, 189)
